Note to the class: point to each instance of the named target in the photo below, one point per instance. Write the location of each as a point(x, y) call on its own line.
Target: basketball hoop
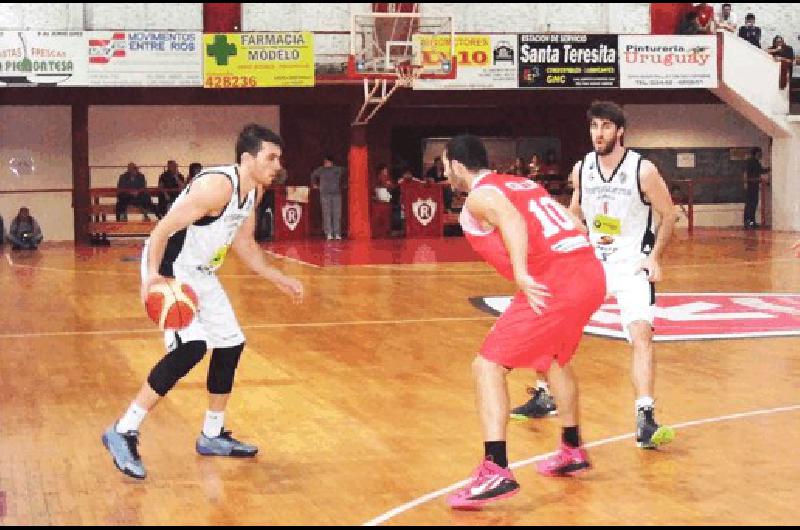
point(407, 73)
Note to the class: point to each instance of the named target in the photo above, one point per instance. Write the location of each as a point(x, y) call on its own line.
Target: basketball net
point(407, 73)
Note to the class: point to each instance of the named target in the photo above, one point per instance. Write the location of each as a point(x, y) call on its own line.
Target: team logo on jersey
point(622, 177)
point(424, 210)
point(694, 316)
point(292, 214)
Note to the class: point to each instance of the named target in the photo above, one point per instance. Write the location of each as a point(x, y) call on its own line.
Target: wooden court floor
point(362, 403)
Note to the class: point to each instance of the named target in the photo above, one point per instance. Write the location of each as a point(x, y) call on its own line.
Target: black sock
point(571, 437)
point(496, 452)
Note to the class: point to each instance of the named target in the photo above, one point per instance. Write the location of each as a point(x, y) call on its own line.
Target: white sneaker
point(338, 238)
point(329, 238)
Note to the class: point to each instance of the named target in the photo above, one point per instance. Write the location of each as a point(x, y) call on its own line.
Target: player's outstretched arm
point(248, 250)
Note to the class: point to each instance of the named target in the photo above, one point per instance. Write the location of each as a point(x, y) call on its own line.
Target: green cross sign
point(221, 50)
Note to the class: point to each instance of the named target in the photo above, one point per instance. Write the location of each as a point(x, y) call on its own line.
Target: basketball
point(171, 305)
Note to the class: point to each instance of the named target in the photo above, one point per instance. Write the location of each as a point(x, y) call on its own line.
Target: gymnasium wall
point(36, 153)
point(151, 135)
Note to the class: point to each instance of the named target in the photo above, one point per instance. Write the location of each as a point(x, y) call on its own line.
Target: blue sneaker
point(124, 451)
point(224, 445)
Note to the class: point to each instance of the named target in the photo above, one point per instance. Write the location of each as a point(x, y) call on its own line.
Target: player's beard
point(608, 149)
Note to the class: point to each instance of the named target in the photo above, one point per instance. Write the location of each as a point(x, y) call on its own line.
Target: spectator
point(519, 167)
point(689, 25)
point(750, 32)
point(194, 169)
point(436, 172)
point(551, 168)
point(752, 181)
point(727, 19)
point(327, 179)
point(133, 181)
point(384, 186)
point(386, 181)
point(407, 176)
point(435, 175)
point(2, 232)
point(784, 54)
point(24, 233)
point(171, 179)
point(535, 167)
point(705, 18)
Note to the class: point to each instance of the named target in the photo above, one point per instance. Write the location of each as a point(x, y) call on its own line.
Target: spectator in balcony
point(753, 177)
point(518, 168)
point(689, 25)
point(727, 19)
point(194, 169)
point(131, 188)
point(24, 232)
point(750, 32)
point(705, 18)
point(784, 54)
point(171, 179)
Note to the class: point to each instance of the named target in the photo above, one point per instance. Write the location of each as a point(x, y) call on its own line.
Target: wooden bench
point(100, 227)
point(121, 228)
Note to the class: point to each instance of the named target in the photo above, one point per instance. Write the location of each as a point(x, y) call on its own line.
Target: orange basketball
point(171, 305)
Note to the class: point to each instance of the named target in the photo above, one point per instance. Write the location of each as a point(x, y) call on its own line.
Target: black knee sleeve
point(222, 369)
point(175, 365)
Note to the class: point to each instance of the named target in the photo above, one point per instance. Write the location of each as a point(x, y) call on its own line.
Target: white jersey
point(204, 244)
point(619, 218)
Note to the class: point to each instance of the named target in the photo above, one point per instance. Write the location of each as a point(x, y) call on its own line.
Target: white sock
point(132, 419)
point(543, 385)
point(214, 423)
point(645, 402)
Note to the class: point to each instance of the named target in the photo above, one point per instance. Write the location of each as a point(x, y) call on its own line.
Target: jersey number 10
point(551, 215)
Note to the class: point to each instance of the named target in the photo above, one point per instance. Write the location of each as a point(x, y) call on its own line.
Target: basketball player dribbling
point(530, 239)
point(618, 192)
point(215, 212)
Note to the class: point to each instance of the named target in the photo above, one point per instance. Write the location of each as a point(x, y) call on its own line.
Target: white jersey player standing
point(620, 195)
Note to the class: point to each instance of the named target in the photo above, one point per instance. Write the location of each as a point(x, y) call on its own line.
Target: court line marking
point(522, 463)
point(412, 272)
point(283, 257)
point(442, 274)
point(270, 325)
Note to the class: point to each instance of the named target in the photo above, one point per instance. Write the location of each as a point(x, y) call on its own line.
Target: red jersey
point(552, 234)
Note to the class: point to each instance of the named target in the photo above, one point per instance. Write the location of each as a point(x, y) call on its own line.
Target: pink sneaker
point(568, 461)
point(489, 483)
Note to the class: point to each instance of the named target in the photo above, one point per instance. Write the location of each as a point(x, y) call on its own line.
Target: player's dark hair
point(251, 139)
point(606, 110)
point(469, 150)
